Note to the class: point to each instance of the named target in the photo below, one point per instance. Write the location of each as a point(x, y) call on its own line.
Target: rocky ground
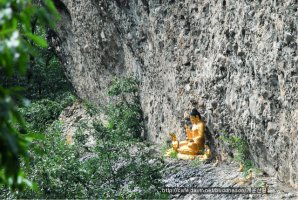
point(180, 173)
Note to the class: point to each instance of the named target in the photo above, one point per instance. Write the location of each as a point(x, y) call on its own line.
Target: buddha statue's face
point(194, 119)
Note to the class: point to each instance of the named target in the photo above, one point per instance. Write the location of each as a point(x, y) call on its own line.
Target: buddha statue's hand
point(186, 127)
point(190, 140)
point(173, 136)
point(188, 132)
point(175, 145)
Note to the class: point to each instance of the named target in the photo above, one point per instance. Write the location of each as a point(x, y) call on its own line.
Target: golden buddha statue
point(194, 144)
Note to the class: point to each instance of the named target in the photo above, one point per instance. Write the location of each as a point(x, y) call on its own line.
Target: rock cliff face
point(236, 61)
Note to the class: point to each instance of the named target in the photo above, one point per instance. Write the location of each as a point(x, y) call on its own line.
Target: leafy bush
point(131, 176)
point(42, 113)
point(124, 130)
point(242, 151)
point(107, 171)
point(56, 168)
point(125, 113)
point(17, 45)
point(119, 166)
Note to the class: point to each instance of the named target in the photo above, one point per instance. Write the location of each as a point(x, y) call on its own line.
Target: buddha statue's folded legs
point(177, 144)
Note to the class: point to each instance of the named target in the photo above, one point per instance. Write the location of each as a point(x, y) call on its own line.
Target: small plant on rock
point(174, 154)
point(242, 154)
point(196, 162)
point(164, 149)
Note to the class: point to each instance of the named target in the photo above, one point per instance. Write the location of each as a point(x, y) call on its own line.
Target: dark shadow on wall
point(59, 37)
point(210, 141)
point(62, 9)
point(56, 37)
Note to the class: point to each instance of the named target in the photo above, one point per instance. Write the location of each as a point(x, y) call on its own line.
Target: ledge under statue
point(194, 146)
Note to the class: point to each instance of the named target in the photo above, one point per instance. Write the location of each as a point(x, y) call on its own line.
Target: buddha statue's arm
point(188, 132)
point(199, 140)
point(199, 134)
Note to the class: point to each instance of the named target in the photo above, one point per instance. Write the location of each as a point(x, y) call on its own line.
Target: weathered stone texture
point(236, 61)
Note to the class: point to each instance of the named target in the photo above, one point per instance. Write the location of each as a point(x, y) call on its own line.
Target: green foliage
point(45, 78)
point(125, 181)
point(118, 167)
point(164, 148)
point(174, 154)
point(242, 151)
point(42, 113)
point(80, 135)
point(108, 172)
point(47, 74)
point(125, 113)
point(259, 183)
point(92, 110)
point(122, 86)
point(125, 125)
point(56, 169)
point(196, 162)
point(17, 45)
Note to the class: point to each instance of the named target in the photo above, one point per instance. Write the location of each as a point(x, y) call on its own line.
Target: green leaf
point(37, 40)
point(35, 136)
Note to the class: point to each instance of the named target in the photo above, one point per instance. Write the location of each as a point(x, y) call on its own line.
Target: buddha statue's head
point(195, 116)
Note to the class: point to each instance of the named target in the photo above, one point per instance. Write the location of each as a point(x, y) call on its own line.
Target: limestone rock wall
point(236, 61)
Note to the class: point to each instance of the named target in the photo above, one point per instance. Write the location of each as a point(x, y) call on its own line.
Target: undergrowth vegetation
point(118, 166)
point(20, 42)
point(241, 151)
point(36, 159)
point(196, 162)
point(42, 113)
point(128, 163)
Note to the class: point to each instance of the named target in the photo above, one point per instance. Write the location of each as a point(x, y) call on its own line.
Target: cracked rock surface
point(182, 174)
